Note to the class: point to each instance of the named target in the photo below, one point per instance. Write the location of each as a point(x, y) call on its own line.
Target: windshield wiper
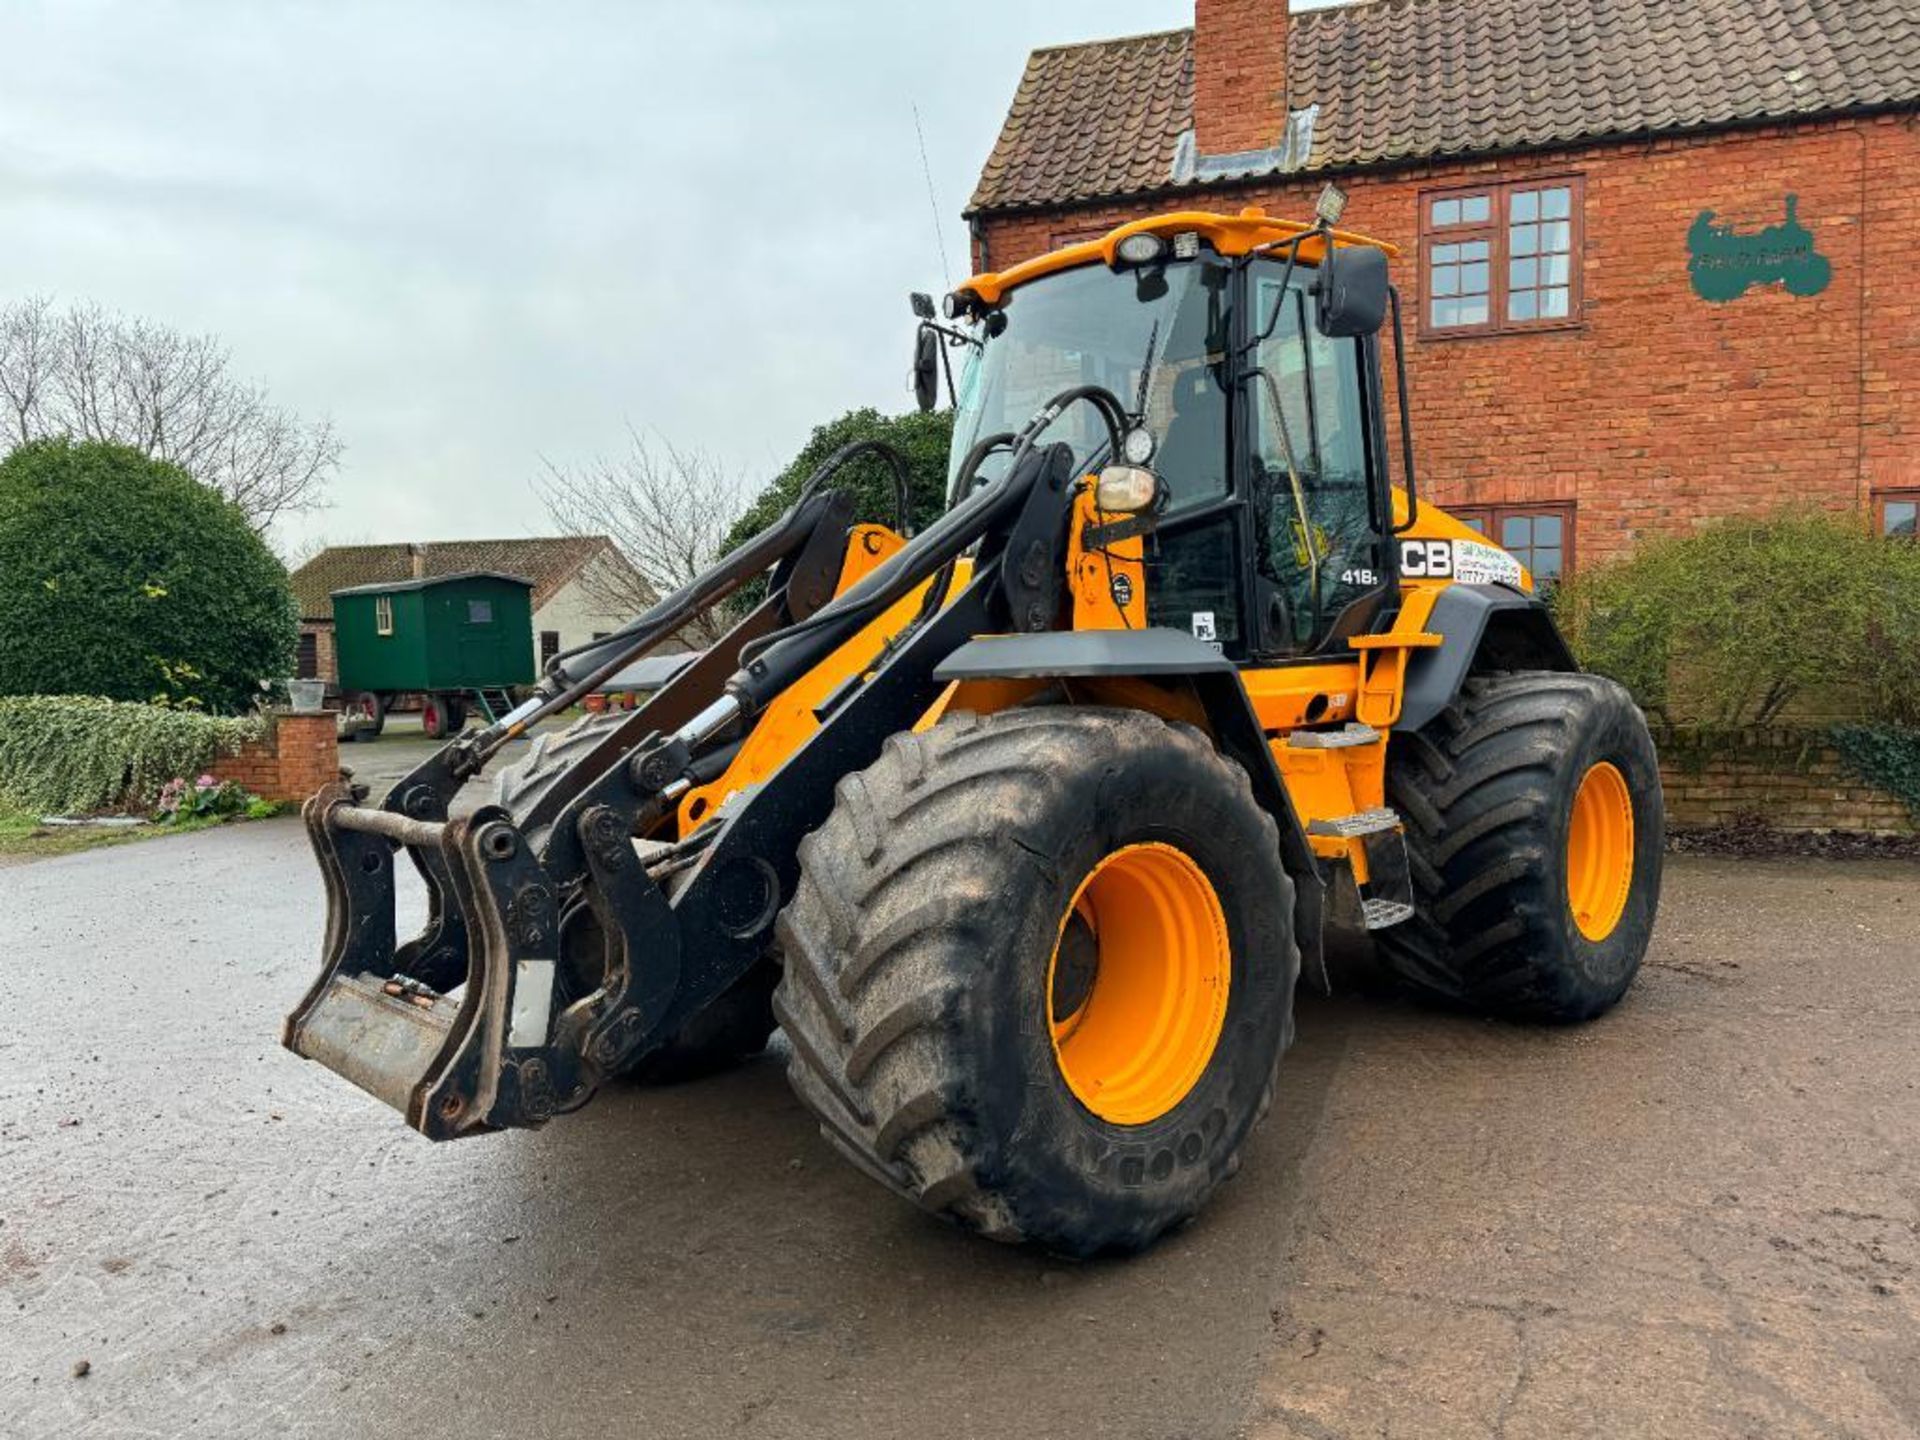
point(1146, 374)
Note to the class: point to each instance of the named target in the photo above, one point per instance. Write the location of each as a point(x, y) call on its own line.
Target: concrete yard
point(1696, 1218)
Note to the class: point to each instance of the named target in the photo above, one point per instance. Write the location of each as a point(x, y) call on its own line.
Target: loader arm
point(462, 1028)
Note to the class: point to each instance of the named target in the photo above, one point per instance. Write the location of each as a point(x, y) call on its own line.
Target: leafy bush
point(922, 438)
point(123, 576)
point(67, 754)
point(1727, 627)
point(207, 799)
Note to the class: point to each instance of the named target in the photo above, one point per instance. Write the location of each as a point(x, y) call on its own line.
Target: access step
point(1358, 824)
point(1351, 734)
point(1379, 914)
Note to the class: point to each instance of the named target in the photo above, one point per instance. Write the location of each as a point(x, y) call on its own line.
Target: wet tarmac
point(1699, 1217)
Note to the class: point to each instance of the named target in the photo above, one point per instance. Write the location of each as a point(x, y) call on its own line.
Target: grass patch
point(23, 836)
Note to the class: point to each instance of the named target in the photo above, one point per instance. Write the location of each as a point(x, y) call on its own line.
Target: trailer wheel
point(1535, 828)
point(442, 715)
point(1039, 973)
point(363, 715)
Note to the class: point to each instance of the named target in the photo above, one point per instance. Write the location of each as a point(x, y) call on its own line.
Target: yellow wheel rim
point(1600, 851)
point(1136, 1005)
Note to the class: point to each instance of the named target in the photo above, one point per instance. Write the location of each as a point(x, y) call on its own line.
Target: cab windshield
point(1156, 337)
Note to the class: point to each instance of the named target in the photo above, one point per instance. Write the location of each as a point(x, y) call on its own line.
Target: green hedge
point(1887, 757)
point(76, 754)
point(1746, 620)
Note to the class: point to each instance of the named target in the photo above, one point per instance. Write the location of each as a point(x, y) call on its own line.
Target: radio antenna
point(939, 238)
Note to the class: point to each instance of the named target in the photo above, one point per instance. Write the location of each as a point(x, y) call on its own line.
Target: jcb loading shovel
point(480, 1022)
point(1023, 829)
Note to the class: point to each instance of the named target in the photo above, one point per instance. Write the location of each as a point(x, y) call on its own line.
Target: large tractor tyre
point(729, 1032)
point(550, 755)
point(1535, 828)
point(1039, 973)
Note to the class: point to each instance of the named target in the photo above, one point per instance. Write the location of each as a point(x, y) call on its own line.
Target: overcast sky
point(480, 234)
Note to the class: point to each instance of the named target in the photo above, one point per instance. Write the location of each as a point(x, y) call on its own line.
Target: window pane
point(1446, 212)
point(1474, 250)
point(1473, 312)
point(1476, 209)
point(1445, 313)
point(1523, 305)
point(1516, 532)
point(1446, 280)
point(1554, 270)
point(1526, 239)
point(1556, 238)
point(479, 612)
point(1556, 204)
point(1523, 274)
point(1553, 303)
point(1546, 529)
point(1445, 254)
point(1901, 517)
point(1526, 206)
point(1546, 563)
point(1474, 279)
point(1473, 522)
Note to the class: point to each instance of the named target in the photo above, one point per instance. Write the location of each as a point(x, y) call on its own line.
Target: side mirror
point(922, 304)
point(1351, 294)
point(926, 369)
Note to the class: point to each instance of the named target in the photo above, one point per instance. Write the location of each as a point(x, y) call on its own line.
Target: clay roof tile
point(1399, 80)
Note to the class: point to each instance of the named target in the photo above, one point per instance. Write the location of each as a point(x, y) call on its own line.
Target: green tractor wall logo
point(1725, 263)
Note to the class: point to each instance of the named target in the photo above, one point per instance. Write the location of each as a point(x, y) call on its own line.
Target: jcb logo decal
point(1426, 559)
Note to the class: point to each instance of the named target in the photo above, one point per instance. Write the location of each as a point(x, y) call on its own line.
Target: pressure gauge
point(1137, 445)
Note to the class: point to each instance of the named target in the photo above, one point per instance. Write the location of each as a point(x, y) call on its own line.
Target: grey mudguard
point(1156, 651)
point(1485, 625)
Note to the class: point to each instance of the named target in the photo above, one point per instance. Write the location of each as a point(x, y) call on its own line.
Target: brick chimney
point(1239, 75)
point(417, 561)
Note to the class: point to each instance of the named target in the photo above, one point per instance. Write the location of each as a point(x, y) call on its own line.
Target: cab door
point(1312, 472)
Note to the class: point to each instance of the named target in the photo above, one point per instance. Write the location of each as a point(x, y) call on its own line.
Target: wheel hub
point(1600, 851)
point(1137, 983)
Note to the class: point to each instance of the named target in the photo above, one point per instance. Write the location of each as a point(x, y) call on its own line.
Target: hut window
point(383, 614)
point(479, 612)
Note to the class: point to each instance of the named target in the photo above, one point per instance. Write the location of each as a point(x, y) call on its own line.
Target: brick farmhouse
point(1659, 257)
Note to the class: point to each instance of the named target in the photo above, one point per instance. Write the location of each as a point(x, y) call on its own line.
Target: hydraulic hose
point(939, 546)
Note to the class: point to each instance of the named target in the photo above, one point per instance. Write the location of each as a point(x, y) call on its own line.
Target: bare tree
point(95, 375)
point(668, 510)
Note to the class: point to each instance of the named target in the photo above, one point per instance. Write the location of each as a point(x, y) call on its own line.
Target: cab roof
point(1228, 234)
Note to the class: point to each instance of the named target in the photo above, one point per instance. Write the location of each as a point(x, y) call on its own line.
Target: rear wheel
point(1535, 829)
point(1039, 973)
point(442, 715)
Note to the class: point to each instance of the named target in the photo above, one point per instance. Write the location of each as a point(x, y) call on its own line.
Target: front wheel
point(1536, 833)
point(1039, 972)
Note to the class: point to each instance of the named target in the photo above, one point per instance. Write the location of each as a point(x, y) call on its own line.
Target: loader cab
point(1273, 540)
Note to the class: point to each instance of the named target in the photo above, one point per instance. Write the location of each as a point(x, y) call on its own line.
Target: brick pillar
point(1239, 75)
point(308, 749)
point(298, 755)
